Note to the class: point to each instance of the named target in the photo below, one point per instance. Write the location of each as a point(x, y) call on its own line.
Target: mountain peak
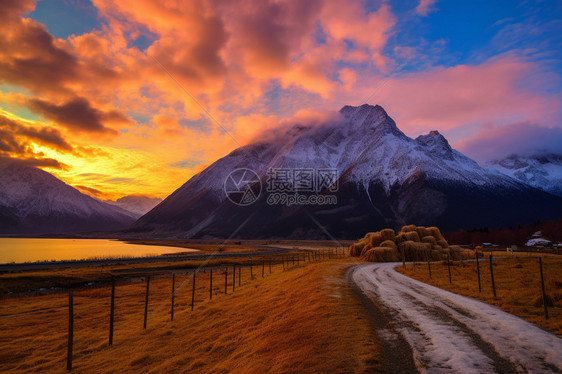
point(370, 117)
point(436, 144)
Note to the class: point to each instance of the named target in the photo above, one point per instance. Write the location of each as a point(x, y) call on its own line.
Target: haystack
point(412, 236)
point(385, 245)
point(375, 239)
point(429, 239)
point(415, 251)
point(408, 228)
point(382, 254)
point(387, 234)
point(422, 231)
point(389, 244)
point(400, 238)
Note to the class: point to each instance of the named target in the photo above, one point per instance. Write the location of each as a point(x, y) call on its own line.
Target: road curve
point(449, 333)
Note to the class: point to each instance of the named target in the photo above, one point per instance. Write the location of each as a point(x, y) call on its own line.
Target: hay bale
point(400, 238)
point(434, 231)
point(429, 239)
point(443, 243)
point(387, 234)
point(355, 249)
point(389, 244)
point(382, 254)
point(365, 249)
point(412, 236)
point(437, 247)
point(422, 231)
point(375, 240)
point(415, 251)
point(408, 228)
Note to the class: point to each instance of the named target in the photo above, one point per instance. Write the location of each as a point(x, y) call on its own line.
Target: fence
point(522, 278)
point(185, 290)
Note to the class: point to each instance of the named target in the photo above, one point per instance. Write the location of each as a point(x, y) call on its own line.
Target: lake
point(31, 250)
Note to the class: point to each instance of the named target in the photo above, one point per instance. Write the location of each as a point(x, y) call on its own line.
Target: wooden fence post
point(211, 285)
point(173, 296)
point(146, 301)
point(298, 259)
point(233, 278)
point(112, 312)
point(269, 265)
point(226, 281)
point(492, 275)
point(193, 291)
point(263, 268)
point(478, 271)
point(239, 276)
point(543, 291)
point(449, 267)
point(70, 329)
point(251, 271)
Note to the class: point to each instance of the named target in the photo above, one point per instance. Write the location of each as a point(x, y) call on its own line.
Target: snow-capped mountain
point(137, 204)
point(385, 179)
point(542, 171)
point(35, 202)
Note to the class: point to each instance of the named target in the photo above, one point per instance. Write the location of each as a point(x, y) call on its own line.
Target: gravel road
point(442, 332)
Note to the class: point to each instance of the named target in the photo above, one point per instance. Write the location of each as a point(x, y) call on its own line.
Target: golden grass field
point(517, 282)
point(72, 276)
point(305, 320)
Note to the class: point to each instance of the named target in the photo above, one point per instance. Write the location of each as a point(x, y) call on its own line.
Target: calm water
point(31, 250)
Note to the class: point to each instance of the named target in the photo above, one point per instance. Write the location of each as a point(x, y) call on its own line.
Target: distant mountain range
point(33, 201)
point(540, 170)
point(137, 204)
point(385, 179)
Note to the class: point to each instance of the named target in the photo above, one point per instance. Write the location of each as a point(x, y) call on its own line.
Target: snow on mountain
point(542, 171)
point(366, 142)
point(386, 179)
point(137, 204)
point(45, 204)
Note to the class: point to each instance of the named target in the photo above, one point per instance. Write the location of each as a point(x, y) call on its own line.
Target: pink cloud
point(446, 98)
point(496, 142)
point(425, 7)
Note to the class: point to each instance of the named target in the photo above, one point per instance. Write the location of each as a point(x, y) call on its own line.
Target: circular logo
point(242, 186)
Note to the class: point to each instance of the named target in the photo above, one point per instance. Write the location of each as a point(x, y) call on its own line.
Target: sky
point(119, 97)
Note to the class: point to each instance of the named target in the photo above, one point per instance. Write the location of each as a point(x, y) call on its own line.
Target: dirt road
point(448, 333)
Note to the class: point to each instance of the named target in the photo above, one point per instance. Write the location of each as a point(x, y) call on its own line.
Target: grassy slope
point(517, 285)
point(303, 320)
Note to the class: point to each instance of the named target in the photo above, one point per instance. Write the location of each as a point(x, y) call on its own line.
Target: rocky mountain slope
point(33, 201)
point(385, 179)
point(541, 170)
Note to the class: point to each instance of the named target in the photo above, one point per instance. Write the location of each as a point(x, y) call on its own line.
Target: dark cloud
point(17, 135)
point(77, 114)
point(29, 55)
point(34, 162)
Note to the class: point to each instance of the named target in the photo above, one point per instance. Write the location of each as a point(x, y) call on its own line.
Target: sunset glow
point(136, 96)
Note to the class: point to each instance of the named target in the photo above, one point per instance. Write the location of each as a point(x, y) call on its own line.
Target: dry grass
point(303, 320)
point(22, 281)
point(517, 282)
